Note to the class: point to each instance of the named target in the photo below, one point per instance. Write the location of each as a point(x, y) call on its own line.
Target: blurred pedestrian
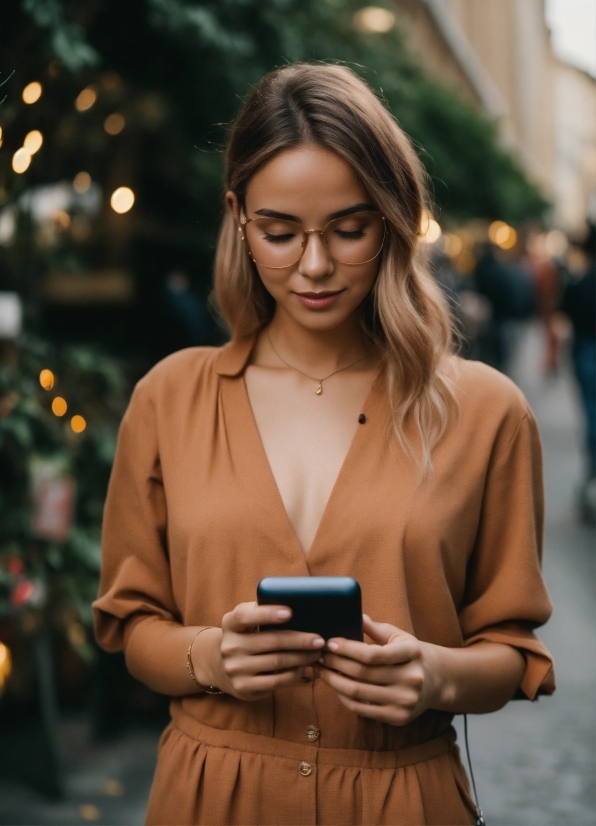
point(508, 287)
point(545, 277)
point(579, 304)
point(335, 435)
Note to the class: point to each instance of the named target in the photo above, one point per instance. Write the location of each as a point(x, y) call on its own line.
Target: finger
point(270, 663)
point(381, 633)
point(354, 690)
point(266, 683)
point(247, 615)
point(401, 650)
point(382, 675)
point(283, 641)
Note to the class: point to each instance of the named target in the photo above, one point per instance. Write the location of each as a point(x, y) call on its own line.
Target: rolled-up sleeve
point(506, 596)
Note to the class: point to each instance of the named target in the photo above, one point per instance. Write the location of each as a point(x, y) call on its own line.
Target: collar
point(233, 356)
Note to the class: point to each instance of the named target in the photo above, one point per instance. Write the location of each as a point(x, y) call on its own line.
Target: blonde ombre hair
point(406, 315)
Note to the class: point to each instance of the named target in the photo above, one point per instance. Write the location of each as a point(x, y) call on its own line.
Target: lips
point(320, 300)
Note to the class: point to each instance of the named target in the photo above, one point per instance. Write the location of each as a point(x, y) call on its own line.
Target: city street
point(534, 763)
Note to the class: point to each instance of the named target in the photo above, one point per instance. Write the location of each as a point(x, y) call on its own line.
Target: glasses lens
point(356, 238)
point(274, 243)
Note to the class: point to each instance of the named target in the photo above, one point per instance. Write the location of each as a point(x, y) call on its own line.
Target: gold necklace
point(319, 389)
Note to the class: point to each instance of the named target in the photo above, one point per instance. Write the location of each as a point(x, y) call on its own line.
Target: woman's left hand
point(391, 681)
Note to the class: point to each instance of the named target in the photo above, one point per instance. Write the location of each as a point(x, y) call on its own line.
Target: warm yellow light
point(81, 182)
point(89, 812)
point(430, 231)
point(21, 160)
point(61, 218)
point(465, 262)
point(78, 424)
point(510, 241)
point(33, 141)
point(374, 19)
point(5, 664)
point(113, 788)
point(47, 379)
point(122, 199)
point(453, 244)
point(114, 124)
point(59, 406)
point(86, 99)
point(0, 136)
point(32, 92)
point(498, 232)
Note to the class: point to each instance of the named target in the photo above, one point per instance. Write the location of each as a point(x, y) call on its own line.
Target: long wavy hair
point(406, 315)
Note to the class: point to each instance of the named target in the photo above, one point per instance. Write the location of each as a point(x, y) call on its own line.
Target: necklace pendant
point(319, 389)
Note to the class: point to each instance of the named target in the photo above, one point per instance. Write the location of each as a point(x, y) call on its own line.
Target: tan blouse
point(194, 520)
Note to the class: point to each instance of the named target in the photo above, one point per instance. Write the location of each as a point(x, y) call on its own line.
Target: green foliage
point(55, 575)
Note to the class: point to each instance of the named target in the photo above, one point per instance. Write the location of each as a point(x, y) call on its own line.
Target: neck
point(318, 351)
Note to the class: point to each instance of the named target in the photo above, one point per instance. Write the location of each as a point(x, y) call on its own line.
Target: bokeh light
point(59, 406)
point(21, 160)
point(47, 379)
point(0, 136)
point(113, 788)
point(5, 664)
point(81, 182)
point(78, 424)
point(452, 244)
point(86, 99)
point(114, 124)
point(32, 92)
point(89, 812)
point(33, 141)
point(122, 199)
point(556, 243)
point(374, 19)
point(430, 231)
point(502, 235)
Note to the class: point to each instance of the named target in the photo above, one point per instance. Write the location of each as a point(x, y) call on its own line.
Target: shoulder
point(185, 367)
point(487, 398)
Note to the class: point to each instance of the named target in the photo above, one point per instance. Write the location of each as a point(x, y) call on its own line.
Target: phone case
point(327, 605)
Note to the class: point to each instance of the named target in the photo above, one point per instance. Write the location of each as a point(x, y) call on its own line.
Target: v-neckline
point(347, 460)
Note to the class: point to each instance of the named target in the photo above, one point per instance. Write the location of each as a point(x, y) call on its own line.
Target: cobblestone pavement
point(535, 764)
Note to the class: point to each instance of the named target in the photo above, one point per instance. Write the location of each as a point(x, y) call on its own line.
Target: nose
point(316, 261)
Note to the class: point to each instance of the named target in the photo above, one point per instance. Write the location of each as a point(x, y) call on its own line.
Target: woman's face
point(311, 185)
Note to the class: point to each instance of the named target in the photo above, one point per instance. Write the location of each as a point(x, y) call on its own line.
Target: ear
point(233, 205)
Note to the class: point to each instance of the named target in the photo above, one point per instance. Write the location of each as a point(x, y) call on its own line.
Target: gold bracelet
point(208, 689)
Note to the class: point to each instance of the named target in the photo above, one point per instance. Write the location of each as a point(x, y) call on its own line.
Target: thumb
point(380, 632)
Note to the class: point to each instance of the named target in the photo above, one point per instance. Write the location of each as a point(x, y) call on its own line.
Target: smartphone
point(330, 606)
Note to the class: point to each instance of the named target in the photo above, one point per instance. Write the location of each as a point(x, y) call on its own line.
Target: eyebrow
point(284, 216)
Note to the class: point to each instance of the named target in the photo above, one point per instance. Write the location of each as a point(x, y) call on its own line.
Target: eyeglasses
point(276, 243)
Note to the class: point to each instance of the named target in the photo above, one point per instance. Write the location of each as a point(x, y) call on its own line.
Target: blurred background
point(112, 124)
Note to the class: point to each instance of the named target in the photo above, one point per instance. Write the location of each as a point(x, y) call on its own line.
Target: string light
point(86, 99)
point(0, 136)
point(89, 812)
point(122, 199)
point(21, 160)
point(32, 92)
point(78, 424)
point(59, 406)
point(81, 182)
point(5, 664)
point(33, 141)
point(374, 19)
point(114, 124)
point(47, 379)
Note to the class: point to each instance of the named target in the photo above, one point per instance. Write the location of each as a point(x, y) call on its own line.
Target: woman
point(335, 435)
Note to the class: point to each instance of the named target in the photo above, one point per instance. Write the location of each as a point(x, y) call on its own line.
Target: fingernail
point(318, 642)
point(283, 613)
point(332, 646)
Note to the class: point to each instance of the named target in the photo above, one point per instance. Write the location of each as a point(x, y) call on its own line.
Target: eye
point(278, 239)
point(350, 235)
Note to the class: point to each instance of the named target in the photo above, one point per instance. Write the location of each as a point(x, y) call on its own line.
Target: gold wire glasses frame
point(244, 222)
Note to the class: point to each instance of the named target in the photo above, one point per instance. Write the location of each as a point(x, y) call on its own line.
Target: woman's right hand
point(251, 665)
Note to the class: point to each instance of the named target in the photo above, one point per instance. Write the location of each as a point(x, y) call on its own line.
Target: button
point(305, 769)
point(309, 674)
point(312, 732)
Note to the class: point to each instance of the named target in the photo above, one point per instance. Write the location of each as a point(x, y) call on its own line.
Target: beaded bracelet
point(208, 689)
